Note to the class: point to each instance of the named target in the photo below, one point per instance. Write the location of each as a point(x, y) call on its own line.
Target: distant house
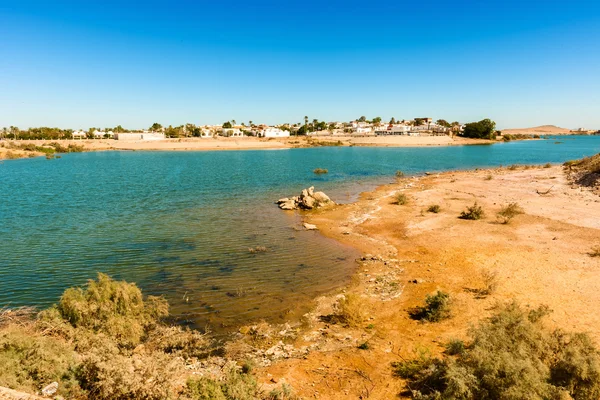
point(392, 129)
point(274, 132)
point(205, 133)
point(232, 132)
point(79, 135)
point(140, 136)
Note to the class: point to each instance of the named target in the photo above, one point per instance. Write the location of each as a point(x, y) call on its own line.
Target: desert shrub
point(513, 167)
point(489, 177)
point(177, 340)
point(11, 156)
point(364, 346)
point(455, 347)
point(232, 386)
point(510, 356)
point(320, 171)
point(401, 199)
point(399, 174)
point(350, 310)
point(436, 308)
point(490, 282)
point(434, 208)
point(115, 308)
point(508, 212)
point(473, 212)
point(30, 360)
point(595, 252)
point(547, 165)
point(106, 373)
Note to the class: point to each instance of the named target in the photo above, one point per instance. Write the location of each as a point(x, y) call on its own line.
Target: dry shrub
point(399, 174)
point(436, 308)
point(351, 310)
point(510, 356)
point(473, 212)
point(490, 282)
point(180, 341)
point(508, 212)
point(434, 208)
point(106, 373)
point(233, 385)
point(29, 361)
point(489, 177)
point(401, 199)
point(117, 309)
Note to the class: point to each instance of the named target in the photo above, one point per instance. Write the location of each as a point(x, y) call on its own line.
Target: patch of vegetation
point(513, 167)
point(103, 341)
point(233, 386)
point(351, 310)
point(401, 199)
point(547, 165)
point(585, 172)
point(509, 356)
point(399, 174)
point(455, 347)
point(434, 208)
point(320, 171)
point(508, 212)
point(364, 346)
point(489, 177)
point(473, 212)
point(436, 308)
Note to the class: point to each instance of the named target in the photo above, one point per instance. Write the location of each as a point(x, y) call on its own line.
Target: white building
point(397, 129)
point(79, 135)
point(232, 132)
point(275, 132)
point(140, 136)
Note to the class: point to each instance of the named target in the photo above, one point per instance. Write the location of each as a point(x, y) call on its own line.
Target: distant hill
point(544, 129)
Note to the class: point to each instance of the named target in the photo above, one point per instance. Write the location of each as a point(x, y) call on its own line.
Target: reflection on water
point(181, 224)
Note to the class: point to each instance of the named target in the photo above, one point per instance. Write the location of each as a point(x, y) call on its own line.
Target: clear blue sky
point(77, 64)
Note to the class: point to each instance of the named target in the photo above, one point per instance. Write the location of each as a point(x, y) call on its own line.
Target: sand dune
point(543, 129)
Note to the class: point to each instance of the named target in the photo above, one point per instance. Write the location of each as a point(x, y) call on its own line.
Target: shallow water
point(180, 223)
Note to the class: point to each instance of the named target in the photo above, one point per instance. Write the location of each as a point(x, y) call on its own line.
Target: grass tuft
point(473, 212)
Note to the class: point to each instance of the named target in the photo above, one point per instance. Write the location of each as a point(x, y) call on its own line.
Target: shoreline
point(540, 258)
point(248, 143)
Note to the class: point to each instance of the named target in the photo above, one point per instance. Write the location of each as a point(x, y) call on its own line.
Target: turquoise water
point(180, 224)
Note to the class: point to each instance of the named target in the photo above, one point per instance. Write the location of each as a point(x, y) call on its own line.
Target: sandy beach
point(540, 257)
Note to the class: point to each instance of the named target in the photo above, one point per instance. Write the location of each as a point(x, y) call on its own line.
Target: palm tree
point(250, 122)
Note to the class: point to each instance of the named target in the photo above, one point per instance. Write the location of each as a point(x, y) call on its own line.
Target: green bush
point(473, 212)
point(233, 386)
point(436, 308)
point(117, 309)
point(510, 356)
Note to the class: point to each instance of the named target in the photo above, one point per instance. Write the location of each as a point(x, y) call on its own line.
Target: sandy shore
point(251, 143)
point(541, 257)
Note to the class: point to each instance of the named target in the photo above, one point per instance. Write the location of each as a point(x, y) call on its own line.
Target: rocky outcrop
point(308, 200)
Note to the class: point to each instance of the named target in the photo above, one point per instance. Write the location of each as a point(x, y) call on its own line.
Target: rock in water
point(309, 227)
point(288, 205)
point(311, 191)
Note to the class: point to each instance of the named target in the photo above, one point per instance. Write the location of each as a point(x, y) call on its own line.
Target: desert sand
point(541, 257)
point(538, 130)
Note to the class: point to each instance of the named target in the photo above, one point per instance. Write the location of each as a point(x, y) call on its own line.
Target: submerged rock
point(308, 200)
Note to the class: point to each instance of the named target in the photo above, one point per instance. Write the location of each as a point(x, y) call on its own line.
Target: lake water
point(180, 224)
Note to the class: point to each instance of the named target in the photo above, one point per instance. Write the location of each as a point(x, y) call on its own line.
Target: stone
point(284, 200)
point(304, 194)
point(311, 191)
point(321, 197)
point(288, 205)
point(309, 202)
point(309, 227)
point(50, 389)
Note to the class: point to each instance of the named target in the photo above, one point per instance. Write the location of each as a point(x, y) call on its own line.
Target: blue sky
point(77, 64)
